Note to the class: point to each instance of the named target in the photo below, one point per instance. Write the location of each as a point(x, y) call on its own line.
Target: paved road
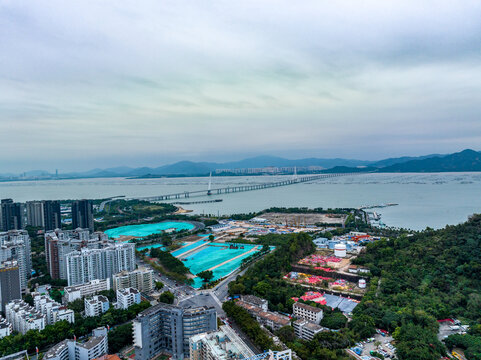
point(171, 285)
point(105, 202)
point(186, 296)
point(202, 299)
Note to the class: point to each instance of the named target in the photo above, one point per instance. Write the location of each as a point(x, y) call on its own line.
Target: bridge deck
point(240, 188)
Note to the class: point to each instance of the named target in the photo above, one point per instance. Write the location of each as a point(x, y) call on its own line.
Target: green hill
point(466, 160)
point(426, 277)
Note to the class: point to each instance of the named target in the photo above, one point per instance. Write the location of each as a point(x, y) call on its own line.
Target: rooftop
point(128, 291)
point(54, 350)
point(307, 307)
point(278, 319)
point(224, 343)
point(92, 342)
point(97, 298)
point(108, 357)
point(254, 300)
point(309, 325)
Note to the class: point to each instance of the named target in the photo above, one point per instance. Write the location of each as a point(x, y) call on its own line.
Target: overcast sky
point(87, 84)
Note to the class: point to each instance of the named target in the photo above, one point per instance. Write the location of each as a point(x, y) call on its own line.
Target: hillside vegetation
point(429, 276)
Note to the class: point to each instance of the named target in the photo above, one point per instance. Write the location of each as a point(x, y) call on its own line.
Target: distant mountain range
point(466, 160)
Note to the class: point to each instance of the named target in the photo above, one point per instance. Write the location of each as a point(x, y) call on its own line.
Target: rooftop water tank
point(362, 283)
point(340, 250)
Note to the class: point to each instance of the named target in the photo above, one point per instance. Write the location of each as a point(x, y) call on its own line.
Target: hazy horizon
point(227, 160)
point(92, 84)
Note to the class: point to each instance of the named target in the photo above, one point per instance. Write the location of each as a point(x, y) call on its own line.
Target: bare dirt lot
point(296, 219)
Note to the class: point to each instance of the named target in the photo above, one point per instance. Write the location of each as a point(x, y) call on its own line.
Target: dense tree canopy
point(424, 277)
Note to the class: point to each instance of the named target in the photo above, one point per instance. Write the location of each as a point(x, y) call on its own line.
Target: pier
point(240, 188)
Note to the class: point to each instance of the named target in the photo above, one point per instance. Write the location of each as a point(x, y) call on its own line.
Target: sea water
point(433, 199)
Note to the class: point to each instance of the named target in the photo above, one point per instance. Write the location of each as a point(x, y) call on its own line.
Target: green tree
point(28, 299)
point(236, 288)
point(363, 325)
point(56, 295)
point(76, 305)
point(286, 334)
point(120, 337)
point(262, 288)
point(206, 275)
point(167, 297)
point(334, 320)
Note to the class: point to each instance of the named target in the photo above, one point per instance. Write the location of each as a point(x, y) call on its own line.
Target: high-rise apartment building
point(83, 214)
point(52, 216)
point(89, 264)
point(15, 245)
point(168, 328)
point(141, 279)
point(59, 243)
point(9, 283)
point(11, 215)
point(35, 213)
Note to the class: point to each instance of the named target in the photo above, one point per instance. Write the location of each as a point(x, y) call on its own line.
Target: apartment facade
point(168, 328)
point(11, 215)
point(15, 245)
point(94, 348)
point(127, 297)
point(90, 264)
point(96, 305)
point(306, 330)
point(52, 310)
point(307, 312)
point(141, 279)
point(83, 215)
point(5, 327)
point(267, 318)
point(24, 317)
point(9, 282)
point(72, 293)
point(59, 243)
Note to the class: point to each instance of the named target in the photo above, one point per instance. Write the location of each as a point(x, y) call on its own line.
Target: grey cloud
point(181, 77)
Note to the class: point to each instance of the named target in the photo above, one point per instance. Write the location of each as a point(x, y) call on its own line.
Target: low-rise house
point(353, 269)
point(267, 318)
point(256, 301)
